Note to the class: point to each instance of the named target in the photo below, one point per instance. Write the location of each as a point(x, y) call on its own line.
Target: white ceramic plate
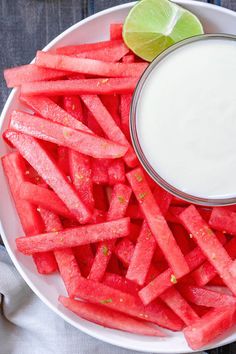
point(96, 28)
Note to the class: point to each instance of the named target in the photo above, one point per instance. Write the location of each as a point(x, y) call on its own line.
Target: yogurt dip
point(186, 117)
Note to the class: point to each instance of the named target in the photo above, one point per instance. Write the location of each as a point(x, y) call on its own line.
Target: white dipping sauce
point(186, 118)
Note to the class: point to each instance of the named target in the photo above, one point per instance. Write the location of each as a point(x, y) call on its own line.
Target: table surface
point(28, 25)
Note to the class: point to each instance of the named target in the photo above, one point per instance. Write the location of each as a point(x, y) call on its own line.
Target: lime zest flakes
point(104, 145)
point(66, 133)
point(106, 301)
point(103, 81)
point(121, 199)
point(105, 250)
point(209, 231)
point(141, 196)
point(143, 315)
point(138, 177)
point(54, 229)
point(149, 235)
point(173, 279)
point(213, 256)
point(78, 176)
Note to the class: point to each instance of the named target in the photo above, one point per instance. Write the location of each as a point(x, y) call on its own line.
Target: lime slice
point(154, 25)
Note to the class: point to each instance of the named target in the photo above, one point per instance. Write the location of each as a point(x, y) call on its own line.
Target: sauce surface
point(186, 118)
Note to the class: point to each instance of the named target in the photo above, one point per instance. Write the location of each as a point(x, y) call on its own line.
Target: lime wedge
point(154, 25)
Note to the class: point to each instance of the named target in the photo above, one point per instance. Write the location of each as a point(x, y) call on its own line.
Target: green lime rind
point(154, 25)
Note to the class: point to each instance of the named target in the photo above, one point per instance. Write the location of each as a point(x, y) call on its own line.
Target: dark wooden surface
point(28, 25)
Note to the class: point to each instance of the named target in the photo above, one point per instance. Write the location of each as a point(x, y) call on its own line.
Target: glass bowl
point(134, 130)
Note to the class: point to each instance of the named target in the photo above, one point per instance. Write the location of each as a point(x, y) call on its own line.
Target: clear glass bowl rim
point(134, 134)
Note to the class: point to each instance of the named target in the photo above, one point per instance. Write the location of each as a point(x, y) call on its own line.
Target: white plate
point(96, 28)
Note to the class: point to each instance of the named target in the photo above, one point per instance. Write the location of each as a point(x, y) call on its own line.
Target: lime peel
point(154, 25)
